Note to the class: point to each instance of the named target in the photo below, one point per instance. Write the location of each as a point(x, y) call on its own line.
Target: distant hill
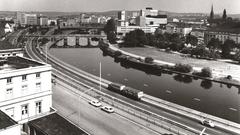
point(112, 13)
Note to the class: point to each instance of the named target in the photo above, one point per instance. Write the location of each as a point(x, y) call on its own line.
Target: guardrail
point(152, 118)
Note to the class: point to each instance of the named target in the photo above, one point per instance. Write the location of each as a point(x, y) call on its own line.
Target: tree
point(111, 36)
point(224, 14)
point(237, 56)
point(110, 29)
point(185, 68)
point(160, 41)
point(52, 23)
point(175, 42)
point(228, 45)
point(110, 26)
point(151, 39)
point(148, 60)
point(201, 51)
point(190, 39)
point(206, 72)
point(136, 38)
point(214, 44)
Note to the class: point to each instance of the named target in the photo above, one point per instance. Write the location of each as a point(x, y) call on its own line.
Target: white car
point(108, 109)
point(95, 102)
point(208, 123)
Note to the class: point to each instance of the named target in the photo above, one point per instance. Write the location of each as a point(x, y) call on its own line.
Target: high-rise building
point(122, 15)
point(43, 21)
point(31, 19)
point(24, 19)
point(20, 19)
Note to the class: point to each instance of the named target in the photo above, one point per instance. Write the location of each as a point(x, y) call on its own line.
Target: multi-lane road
point(188, 122)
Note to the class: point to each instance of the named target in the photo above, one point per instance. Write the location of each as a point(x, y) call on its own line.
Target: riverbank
point(219, 69)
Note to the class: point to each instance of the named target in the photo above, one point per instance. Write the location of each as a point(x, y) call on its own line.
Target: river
point(212, 98)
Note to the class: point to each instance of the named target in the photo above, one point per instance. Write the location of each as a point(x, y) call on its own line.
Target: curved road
point(160, 111)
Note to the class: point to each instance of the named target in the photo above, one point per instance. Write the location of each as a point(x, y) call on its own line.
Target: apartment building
point(26, 90)
point(222, 35)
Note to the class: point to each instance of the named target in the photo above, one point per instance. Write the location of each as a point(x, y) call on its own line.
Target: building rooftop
point(54, 124)
point(13, 63)
point(157, 16)
point(6, 121)
point(225, 30)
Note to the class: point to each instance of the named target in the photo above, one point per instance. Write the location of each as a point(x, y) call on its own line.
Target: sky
point(182, 6)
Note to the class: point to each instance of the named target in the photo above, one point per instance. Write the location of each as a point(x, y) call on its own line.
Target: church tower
point(212, 14)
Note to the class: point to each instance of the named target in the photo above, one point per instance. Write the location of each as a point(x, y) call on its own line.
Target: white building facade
point(122, 30)
point(11, 52)
point(26, 90)
point(222, 36)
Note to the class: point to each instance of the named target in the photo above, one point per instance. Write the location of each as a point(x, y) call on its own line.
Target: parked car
point(208, 123)
point(95, 102)
point(108, 109)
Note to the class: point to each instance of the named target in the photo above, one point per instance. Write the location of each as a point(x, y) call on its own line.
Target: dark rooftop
point(6, 121)
point(12, 63)
point(226, 30)
point(157, 16)
point(54, 124)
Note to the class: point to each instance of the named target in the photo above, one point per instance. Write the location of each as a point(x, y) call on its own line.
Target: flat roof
point(15, 62)
point(54, 124)
point(6, 121)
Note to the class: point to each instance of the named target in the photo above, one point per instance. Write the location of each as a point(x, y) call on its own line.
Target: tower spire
point(212, 13)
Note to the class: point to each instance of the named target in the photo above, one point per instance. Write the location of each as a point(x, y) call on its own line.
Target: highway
point(154, 109)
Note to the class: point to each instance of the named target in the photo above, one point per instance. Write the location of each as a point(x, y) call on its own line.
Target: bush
point(186, 50)
point(148, 60)
point(185, 68)
point(229, 77)
point(117, 53)
point(206, 72)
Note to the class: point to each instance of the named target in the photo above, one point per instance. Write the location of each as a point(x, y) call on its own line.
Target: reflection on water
point(183, 78)
point(216, 100)
point(206, 84)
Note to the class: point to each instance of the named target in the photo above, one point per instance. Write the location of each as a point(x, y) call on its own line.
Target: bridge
point(73, 40)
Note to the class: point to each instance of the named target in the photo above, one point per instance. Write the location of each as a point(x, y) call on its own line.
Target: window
point(24, 77)
point(10, 112)
point(24, 89)
point(38, 107)
point(9, 93)
point(38, 75)
point(24, 110)
point(9, 80)
point(38, 86)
